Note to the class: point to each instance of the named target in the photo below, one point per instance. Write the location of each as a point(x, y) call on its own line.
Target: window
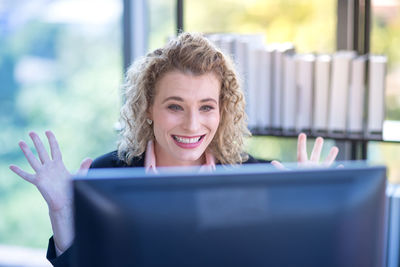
point(295, 21)
point(385, 40)
point(162, 22)
point(60, 69)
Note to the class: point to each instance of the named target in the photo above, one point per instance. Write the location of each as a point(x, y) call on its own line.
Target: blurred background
point(62, 65)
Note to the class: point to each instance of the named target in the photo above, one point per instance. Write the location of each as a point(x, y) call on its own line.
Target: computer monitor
point(245, 216)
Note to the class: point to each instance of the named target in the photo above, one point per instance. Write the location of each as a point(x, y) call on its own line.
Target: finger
point(35, 164)
point(85, 165)
point(43, 155)
point(331, 156)
point(54, 148)
point(316, 152)
point(302, 148)
point(24, 175)
point(278, 165)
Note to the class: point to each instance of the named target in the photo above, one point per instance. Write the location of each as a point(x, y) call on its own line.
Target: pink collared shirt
point(150, 160)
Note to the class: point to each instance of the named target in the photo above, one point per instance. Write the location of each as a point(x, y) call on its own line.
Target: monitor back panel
point(304, 218)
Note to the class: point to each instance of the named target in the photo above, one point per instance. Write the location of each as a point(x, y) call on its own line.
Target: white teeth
point(187, 140)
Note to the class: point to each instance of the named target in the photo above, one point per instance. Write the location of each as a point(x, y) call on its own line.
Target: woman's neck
point(163, 160)
point(170, 162)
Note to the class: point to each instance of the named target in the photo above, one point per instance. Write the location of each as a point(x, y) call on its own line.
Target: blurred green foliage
point(309, 24)
point(162, 23)
point(78, 98)
point(385, 39)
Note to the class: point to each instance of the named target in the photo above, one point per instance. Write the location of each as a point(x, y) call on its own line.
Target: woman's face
point(186, 116)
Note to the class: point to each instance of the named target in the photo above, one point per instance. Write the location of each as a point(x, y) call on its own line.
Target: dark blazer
point(109, 160)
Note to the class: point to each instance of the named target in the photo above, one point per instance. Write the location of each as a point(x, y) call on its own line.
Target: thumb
point(83, 169)
point(278, 165)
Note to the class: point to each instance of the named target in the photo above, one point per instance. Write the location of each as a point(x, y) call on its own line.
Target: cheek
point(214, 122)
point(166, 121)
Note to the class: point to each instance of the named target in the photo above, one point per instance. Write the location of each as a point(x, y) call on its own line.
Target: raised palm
point(51, 176)
point(314, 160)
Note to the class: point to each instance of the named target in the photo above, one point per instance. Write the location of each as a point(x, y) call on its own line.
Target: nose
point(192, 121)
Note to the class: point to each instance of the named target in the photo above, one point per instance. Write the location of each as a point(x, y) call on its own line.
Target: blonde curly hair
point(188, 53)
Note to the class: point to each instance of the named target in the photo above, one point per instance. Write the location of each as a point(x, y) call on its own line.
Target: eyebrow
point(180, 99)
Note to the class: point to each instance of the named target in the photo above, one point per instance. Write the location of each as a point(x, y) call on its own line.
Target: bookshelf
point(357, 142)
point(337, 96)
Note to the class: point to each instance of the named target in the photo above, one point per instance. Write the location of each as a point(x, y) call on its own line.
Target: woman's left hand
point(314, 160)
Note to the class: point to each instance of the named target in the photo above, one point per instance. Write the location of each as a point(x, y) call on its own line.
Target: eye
point(206, 108)
point(175, 107)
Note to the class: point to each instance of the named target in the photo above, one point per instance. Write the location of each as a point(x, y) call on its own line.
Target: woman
point(184, 107)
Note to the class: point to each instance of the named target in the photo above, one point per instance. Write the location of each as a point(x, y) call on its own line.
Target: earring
point(149, 121)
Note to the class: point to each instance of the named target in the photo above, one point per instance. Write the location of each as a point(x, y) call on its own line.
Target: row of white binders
point(339, 93)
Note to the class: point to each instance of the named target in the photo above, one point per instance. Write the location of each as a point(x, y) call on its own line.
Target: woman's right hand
point(53, 180)
point(51, 176)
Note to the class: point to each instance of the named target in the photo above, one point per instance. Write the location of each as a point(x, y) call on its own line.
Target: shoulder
point(111, 160)
point(251, 160)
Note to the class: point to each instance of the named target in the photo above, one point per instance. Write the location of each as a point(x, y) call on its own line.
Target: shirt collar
point(150, 160)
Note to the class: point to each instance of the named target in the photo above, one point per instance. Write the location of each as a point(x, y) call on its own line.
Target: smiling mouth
point(186, 140)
